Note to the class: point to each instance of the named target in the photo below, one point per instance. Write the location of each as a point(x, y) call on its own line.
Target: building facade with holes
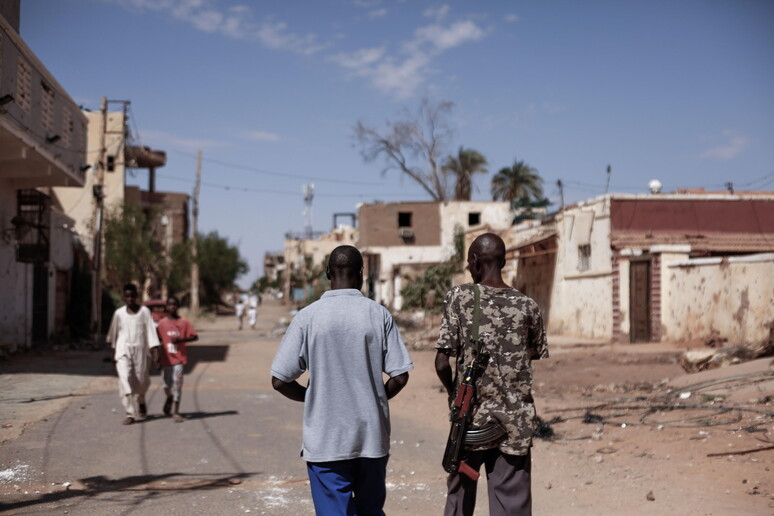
point(639, 268)
point(400, 240)
point(42, 145)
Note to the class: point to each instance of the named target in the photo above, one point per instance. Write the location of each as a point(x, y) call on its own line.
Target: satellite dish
point(655, 186)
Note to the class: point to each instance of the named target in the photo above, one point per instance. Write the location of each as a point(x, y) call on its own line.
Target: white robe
point(132, 336)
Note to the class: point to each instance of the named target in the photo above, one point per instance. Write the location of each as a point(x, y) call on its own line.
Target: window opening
point(584, 257)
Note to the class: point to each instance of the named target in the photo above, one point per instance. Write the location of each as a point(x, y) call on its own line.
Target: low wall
point(732, 297)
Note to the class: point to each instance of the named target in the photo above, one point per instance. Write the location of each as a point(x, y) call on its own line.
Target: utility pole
point(98, 192)
point(194, 239)
point(560, 185)
point(609, 173)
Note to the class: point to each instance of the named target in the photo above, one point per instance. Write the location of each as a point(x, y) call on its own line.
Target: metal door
point(639, 300)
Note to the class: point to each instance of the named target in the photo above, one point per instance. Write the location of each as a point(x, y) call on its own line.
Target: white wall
point(496, 215)
point(388, 291)
point(15, 281)
point(733, 296)
point(581, 301)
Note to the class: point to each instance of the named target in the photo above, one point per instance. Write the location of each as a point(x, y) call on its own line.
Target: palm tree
point(520, 181)
point(467, 163)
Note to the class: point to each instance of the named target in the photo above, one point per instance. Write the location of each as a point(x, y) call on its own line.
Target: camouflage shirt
point(511, 329)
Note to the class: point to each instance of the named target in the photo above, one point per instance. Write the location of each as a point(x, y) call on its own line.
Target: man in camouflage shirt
point(511, 329)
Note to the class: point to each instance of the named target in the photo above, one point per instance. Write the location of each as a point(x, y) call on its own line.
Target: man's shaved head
point(489, 247)
point(345, 257)
point(486, 258)
point(345, 268)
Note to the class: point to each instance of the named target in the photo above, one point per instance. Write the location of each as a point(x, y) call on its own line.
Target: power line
point(276, 192)
point(278, 174)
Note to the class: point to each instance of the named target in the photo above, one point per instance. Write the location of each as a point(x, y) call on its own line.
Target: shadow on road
point(150, 484)
point(96, 363)
point(188, 416)
point(205, 415)
point(205, 353)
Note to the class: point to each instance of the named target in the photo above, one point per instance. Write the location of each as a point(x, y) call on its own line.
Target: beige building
point(400, 240)
point(42, 145)
point(639, 268)
point(81, 202)
point(274, 266)
point(305, 256)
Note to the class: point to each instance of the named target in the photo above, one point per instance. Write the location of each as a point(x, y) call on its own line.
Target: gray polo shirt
point(346, 341)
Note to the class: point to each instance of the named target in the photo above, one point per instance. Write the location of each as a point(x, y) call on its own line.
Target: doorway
point(639, 300)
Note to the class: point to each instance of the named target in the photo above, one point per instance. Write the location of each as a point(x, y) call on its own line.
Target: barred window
point(584, 257)
point(24, 85)
point(47, 108)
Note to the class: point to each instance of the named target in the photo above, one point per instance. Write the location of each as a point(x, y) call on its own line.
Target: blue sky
point(270, 91)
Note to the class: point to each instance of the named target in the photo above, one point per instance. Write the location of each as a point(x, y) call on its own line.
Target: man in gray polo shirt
point(346, 341)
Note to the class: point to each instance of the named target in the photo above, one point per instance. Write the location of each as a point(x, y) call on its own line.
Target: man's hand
point(291, 390)
point(444, 372)
point(156, 357)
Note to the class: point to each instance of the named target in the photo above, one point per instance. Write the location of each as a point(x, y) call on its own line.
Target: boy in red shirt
point(175, 333)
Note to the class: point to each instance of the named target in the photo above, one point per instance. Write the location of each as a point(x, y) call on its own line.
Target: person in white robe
point(133, 336)
point(252, 316)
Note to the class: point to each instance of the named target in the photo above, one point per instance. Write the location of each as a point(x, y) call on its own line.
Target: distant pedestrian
point(175, 333)
point(253, 300)
point(133, 336)
point(252, 316)
point(240, 313)
point(346, 342)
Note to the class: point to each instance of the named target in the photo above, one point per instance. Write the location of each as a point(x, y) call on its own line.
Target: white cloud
point(235, 22)
point(276, 35)
point(378, 13)
point(402, 75)
point(261, 136)
point(439, 13)
point(401, 79)
point(359, 59)
point(734, 145)
point(399, 74)
point(511, 18)
point(444, 38)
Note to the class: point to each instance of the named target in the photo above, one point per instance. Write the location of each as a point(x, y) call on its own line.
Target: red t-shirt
point(174, 352)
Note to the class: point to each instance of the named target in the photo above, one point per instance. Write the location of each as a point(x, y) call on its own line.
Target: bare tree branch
point(412, 145)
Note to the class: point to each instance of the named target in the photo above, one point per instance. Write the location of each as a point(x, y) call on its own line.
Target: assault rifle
point(462, 414)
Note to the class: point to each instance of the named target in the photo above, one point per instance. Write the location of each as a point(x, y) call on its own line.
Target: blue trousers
point(353, 487)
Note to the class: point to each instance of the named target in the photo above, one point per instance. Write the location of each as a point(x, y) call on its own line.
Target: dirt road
point(624, 442)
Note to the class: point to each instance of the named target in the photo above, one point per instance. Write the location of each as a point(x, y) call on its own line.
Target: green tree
point(132, 251)
point(467, 163)
point(179, 278)
point(517, 182)
point(220, 264)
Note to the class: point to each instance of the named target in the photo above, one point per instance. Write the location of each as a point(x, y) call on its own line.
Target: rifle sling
point(476, 311)
point(474, 333)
